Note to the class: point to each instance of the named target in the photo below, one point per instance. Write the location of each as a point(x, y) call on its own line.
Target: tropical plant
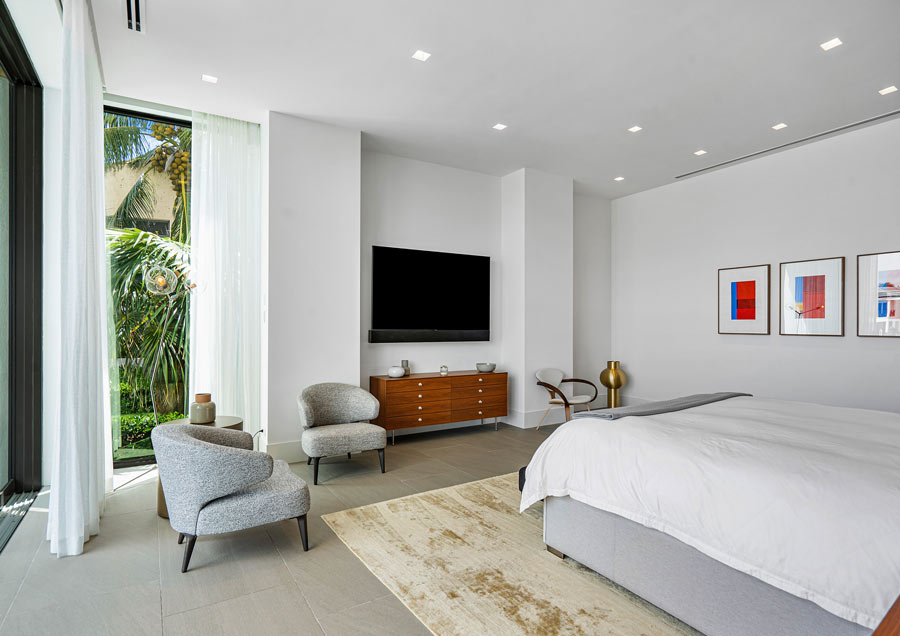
point(139, 315)
point(144, 146)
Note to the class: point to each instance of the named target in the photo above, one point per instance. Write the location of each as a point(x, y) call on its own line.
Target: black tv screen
point(421, 296)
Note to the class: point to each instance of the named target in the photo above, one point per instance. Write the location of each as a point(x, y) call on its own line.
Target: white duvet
point(803, 496)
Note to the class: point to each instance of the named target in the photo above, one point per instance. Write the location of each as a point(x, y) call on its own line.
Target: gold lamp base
point(613, 378)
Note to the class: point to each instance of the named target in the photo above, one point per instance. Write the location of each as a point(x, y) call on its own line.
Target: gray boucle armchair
point(334, 420)
point(214, 482)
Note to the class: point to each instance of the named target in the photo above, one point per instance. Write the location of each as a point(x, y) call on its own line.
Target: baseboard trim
point(290, 452)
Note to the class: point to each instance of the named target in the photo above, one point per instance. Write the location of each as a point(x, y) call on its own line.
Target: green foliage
point(132, 399)
point(139, 203)
point(139, 315)
point(137, 426)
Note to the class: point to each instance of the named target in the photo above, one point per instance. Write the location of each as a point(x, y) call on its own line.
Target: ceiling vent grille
point(134, 15)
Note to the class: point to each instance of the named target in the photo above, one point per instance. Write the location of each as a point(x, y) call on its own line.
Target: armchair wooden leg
point(315, 471)
point(542, 418)
point(301, 521)
point(568, 414)
point(188, 550)
point(180, 538)
point(381, 458)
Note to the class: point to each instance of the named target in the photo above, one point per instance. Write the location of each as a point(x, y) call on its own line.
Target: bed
point(743, 517)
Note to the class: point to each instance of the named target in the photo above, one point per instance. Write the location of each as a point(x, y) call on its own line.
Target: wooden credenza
point(426, 399)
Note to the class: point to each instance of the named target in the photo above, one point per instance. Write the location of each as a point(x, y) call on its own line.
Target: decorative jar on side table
point(222, 421)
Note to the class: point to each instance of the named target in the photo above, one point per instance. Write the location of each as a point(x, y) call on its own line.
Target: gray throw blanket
point(665, 406)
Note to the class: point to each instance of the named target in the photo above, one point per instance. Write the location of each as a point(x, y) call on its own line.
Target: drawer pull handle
point(420, 419)
point(481, 379)
point(479, 412)
point(480, 390)
point(420, 384)
point(420, 408)
point(481, 401)
point(420, 395)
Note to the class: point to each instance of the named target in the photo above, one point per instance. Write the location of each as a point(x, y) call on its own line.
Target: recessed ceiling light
point(830, 44)
point(499, 126)
point(779, 126)
point(422, 56)
point(635, 129)
point(619, 179)
point(699, 152)
point(888, 90)
point(212, 79)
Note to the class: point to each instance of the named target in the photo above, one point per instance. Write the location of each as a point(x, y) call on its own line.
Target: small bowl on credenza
point(485, 367)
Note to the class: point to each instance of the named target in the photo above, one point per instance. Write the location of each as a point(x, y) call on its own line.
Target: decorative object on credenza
point(203, 409)
point(878, 295)
point(486, 367)
point(613, 378)
point(405, 365)
point(444, 369)
point(811, 298)
point(396, 372)
point(162, 281)
point(744, 300)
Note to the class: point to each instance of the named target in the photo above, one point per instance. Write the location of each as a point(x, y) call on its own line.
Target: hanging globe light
point(160, 281)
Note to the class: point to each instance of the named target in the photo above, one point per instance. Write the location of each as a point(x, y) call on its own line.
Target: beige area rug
point(465, 562)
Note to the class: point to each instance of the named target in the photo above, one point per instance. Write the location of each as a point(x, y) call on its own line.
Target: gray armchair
point(334, 420)
point(215, 482)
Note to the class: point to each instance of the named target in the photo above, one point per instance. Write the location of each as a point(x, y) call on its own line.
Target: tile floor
point(259, 581)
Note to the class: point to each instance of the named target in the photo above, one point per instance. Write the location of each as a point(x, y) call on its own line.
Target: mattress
point(805, 497)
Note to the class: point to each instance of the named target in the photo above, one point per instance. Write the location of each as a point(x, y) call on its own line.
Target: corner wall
point(836, 197)
point(314, 246)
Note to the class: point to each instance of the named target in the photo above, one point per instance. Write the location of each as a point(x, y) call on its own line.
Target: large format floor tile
point(129, 580)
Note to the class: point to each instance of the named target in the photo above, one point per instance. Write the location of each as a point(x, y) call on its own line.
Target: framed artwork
point(878, 295)
point(744, 299)
point(811, 300)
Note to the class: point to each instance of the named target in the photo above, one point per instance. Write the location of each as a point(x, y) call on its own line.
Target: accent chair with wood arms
point(215, 482)
point(552, 379)
point(334, 419)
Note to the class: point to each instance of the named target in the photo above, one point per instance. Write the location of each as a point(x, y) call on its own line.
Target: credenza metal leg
point(393, 436)
point(496, 426)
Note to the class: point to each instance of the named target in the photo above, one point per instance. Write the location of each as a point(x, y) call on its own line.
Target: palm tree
point(144, 145)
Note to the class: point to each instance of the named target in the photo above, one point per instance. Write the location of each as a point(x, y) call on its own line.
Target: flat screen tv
point(420, 296)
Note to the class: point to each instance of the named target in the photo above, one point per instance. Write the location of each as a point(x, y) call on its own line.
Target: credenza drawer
point(481, 379)
point(478, 391)
point(417, 397)
point(413, 384)
point(418, 409)
point(462, 415)
point(410, 421)
point(478, 402)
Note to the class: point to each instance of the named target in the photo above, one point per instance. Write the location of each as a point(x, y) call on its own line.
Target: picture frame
point(743, 300)
point(878, 295)
point(811, 297)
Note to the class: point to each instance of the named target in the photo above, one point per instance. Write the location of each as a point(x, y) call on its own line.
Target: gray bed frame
point(711, 597)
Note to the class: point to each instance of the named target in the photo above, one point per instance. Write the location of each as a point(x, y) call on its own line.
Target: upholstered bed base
point(704, 593)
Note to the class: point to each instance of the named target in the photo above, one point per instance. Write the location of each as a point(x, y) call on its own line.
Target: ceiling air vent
point(134, 14)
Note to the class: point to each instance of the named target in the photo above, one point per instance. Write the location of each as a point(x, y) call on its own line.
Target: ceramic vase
point(203, 409)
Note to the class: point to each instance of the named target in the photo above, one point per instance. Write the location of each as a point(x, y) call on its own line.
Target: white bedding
point(803, 496)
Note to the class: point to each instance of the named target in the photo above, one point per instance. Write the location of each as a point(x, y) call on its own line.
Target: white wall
point(419, 205)
point(314, 248)
point(537, 249)
point(836, 197)
point(592, 315)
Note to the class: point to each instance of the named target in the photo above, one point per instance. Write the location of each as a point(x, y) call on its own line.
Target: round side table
point(222, 421)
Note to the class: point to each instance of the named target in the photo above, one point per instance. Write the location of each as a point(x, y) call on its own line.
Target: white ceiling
point(568, 77)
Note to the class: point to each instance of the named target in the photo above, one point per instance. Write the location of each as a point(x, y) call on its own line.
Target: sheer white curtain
point(226, 254)
point(82, 463)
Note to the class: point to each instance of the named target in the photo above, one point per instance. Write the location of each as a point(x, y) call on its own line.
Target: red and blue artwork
point(889, 294)
point(809, 297)
point(743, 300)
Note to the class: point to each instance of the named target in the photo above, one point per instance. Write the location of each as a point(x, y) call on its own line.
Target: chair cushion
point(284, 495)
point(575, 399)
point(337, 439)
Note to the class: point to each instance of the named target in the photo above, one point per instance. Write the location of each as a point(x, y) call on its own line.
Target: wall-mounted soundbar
point(429, 335)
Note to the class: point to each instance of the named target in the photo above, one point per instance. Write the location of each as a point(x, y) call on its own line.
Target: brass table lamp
point(613, 378)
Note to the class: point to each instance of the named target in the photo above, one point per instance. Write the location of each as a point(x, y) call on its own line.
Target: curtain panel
point(81, 470)
point(226, 261)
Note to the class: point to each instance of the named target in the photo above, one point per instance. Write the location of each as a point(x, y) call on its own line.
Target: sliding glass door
point(5, 292)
